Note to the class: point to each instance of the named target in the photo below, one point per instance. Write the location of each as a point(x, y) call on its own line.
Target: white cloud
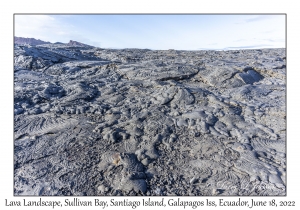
point(45, 27)
point(52, 28)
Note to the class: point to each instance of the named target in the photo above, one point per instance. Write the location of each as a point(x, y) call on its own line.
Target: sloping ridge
point(30, 41)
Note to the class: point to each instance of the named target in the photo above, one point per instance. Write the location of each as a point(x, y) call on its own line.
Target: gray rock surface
point(91, 121)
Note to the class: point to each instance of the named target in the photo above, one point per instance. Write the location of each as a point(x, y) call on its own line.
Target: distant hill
point(77, 44)
point(33, 42)
point(30, 41)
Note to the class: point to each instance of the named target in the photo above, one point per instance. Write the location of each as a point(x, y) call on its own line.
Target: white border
point(154, 6)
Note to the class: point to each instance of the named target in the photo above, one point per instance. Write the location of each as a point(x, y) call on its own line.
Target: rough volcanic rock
point(92, 121)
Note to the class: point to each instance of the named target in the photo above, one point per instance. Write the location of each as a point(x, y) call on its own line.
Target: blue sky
point(180, 32)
